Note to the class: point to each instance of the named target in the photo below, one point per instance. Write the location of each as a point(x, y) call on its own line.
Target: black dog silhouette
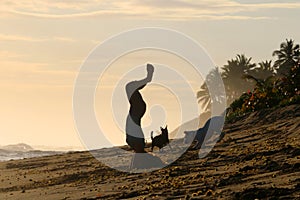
point(161, 140)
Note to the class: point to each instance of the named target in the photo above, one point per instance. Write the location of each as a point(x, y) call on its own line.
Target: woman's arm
point(143, 82)
point(137, 85)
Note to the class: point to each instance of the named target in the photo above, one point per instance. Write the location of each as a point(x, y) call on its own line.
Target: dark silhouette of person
point(134, 133)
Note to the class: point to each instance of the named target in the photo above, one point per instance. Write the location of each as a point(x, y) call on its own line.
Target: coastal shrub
point(271, 92)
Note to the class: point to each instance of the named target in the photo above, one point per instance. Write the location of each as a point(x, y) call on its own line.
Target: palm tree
point(204, 97)
point(211, 90)
point(232, 75)
point(263, 71)
point(261, 84)
point(288, 56)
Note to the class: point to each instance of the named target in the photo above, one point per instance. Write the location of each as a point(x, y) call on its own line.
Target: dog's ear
point(161, 128)
point(166, 126)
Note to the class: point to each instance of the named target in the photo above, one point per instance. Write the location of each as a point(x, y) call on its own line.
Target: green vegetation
point(250, 87)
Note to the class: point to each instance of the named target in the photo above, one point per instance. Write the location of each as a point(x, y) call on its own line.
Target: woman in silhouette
point(134, 133)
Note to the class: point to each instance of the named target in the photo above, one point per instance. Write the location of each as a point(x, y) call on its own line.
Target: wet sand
point(259, 157)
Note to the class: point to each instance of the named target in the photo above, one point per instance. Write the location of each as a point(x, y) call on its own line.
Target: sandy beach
point(259, 158)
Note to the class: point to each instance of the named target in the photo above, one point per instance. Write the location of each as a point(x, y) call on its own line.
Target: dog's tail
point(151, 135)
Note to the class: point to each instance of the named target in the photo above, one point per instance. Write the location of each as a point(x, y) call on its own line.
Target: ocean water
point(16, 155)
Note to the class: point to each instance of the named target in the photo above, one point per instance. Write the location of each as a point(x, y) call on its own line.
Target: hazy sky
point(43, 44)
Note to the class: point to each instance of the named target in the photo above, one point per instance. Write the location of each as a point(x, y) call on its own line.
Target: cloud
point(9, 55)
point(146, 9)
point(4, 37)
point(9, 37)
point(33, 74)
point(64, 39)
point(266, 1)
